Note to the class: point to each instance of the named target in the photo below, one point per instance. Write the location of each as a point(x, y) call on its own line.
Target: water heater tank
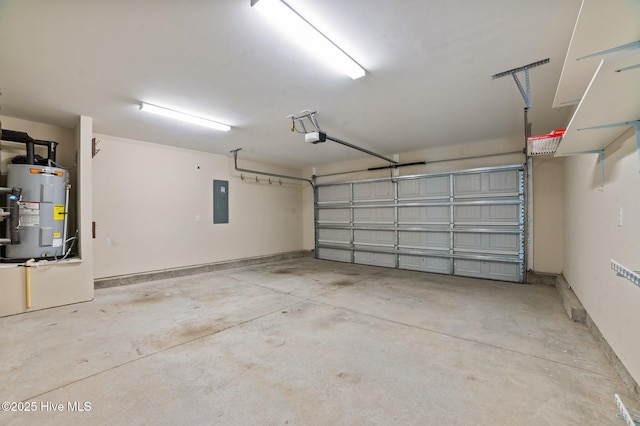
point(42, 210)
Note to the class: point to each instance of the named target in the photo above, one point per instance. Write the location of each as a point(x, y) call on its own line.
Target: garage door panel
point(374, 237)
point(334, 254)
point(374, 215)
point(334, 194)
point(487, 242)
point(424, 214)
point(424, 240)
point(468, 184)
point(487, 183)
point(495, 214)
point(468, 223)
point(504, 181)
point(369, 191)
point(329, 235)
point(439, 265)
point(493, 270)
point(375, 259)
point(334, 215)
point(428, 187)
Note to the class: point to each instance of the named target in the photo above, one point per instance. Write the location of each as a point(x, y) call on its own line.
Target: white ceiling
point(428, 82)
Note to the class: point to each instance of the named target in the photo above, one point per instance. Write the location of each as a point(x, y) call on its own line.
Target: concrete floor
point(304, 342)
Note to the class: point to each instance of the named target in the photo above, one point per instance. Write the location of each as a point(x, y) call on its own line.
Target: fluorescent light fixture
point(165, 112)
point(308, 36)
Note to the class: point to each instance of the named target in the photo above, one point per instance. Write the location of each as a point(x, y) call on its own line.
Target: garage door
point(468, 222)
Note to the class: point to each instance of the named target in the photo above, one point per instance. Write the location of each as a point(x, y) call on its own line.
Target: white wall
point(548, 214)
point(592, 237)
point(147, 197)
point(60, 283)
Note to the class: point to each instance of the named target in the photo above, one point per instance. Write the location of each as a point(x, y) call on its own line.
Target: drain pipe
point(27, 276)
point(238, 169)
point(66, 218)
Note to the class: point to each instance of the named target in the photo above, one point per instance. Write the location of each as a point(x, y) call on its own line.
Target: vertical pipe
point(14, 217)
point(529, 225)
point(66, 219)
point(352, 223)
point(27, 275)
point(31, 156)
point(396, 221)
point(51, 154)
point(452, 222)
point(316, 248)
point(528, 200)
point(27, 271)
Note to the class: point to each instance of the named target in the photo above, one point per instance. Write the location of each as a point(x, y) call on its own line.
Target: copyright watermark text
point(46, 406)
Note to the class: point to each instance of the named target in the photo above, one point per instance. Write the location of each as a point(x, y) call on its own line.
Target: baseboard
point(195, 269)
point(624, 374)
point(570, 301)
point(578, 313)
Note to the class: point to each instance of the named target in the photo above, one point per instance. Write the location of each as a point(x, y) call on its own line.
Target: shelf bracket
point(621, 271)
point(526, 90)
point(628, 46)
point(635, 124)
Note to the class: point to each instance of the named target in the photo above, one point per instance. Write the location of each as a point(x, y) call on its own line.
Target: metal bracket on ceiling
point(635, 124)
point(525, 92)
point(299, 120)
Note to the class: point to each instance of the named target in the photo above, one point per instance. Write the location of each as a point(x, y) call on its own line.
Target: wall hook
point(257, 180)
point(270, 181)
point(241, 176)
point(280, 181)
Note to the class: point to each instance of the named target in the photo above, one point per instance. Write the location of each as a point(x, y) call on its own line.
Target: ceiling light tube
point(308, 36)
point(165, 112)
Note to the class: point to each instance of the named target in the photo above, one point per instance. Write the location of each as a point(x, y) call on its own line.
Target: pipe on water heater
point(27, 280)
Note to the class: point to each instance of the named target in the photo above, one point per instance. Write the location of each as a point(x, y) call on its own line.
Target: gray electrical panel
point(220, 201)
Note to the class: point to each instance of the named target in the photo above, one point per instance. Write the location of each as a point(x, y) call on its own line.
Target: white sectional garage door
point(468, 222)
